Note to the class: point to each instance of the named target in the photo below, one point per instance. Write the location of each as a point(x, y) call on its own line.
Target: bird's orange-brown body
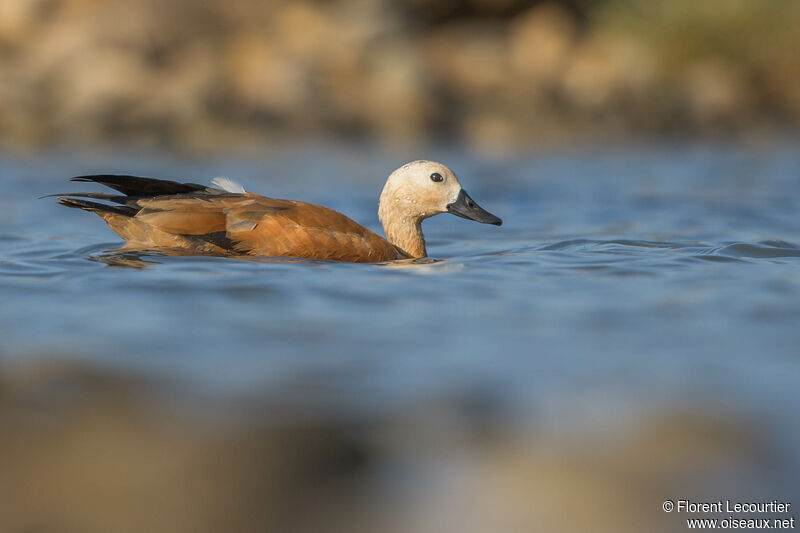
point(251, 225)
point(195, 219)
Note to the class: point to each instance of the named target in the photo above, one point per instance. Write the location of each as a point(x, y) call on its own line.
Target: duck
point(224, 219)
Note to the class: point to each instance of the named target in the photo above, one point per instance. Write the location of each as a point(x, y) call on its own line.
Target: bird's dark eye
point(436, 177)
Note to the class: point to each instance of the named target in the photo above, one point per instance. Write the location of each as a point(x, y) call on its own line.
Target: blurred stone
point(262, 76)
point(81, 450)
point(303, 30)
point(715, 91)
point(613, 484)
point(396, 96)
point(181, 87)
point(17, 19)
point(96, 82)
point(540, 43)
point(490, 129)
point(606, 69)
point(470, 60)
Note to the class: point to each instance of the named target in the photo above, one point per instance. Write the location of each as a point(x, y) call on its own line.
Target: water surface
point(624, 283)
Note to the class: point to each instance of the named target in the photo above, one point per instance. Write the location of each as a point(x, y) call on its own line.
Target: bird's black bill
point(466, 208)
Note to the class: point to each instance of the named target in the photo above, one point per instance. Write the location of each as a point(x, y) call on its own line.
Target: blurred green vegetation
point(681, 31)
point(749, 46)
point(203, 73)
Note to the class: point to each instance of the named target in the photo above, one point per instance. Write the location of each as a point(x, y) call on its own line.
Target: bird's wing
point(268, 226)
point(257, 225)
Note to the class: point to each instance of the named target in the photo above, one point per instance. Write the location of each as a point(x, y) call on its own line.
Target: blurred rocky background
point(211, 73)
point(90, 450)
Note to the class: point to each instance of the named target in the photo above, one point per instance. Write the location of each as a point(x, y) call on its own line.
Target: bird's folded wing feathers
point(182, 216)
point(267, 226)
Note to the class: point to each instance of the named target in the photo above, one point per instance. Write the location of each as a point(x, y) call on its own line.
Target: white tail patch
point(228, 185)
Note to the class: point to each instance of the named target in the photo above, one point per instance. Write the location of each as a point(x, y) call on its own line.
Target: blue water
point(624, 280)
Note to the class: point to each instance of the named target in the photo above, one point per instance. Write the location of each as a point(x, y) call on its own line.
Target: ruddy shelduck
point(226, 220)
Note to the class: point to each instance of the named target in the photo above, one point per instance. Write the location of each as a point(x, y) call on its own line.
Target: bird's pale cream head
point(421, 189)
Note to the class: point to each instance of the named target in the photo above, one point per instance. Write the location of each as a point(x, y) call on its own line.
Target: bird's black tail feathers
point(97, 207)
point(132, 188)
point(141, 187)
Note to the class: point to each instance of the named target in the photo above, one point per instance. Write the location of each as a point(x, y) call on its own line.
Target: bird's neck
point(403, 231)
